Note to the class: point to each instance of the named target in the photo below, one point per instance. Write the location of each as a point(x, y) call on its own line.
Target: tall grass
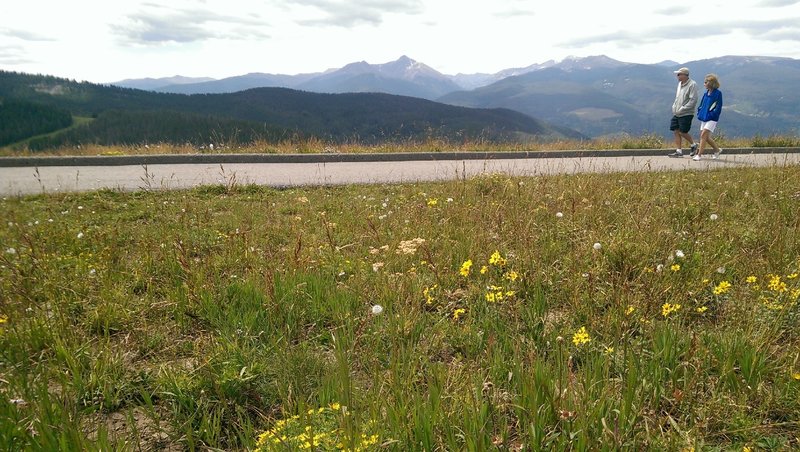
point(653, 311)
point(314, 145)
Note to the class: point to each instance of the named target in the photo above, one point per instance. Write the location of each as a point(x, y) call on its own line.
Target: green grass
point(243, 317)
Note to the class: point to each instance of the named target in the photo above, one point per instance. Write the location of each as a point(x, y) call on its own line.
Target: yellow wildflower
point(796, 376)
point(668, 308)
point(484, 269)
point(581, 337)
point(630, 310)
point(792, 276)
point(497, 259)
point(465, 268)
point(702, 309)
point(675, 267)
point(751, 279)
point(776, 285)
point(457, 313)
point(722, 288)
point(511, 275)
point(432, 202)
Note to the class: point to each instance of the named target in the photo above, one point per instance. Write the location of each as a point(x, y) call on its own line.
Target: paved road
point(32, 176)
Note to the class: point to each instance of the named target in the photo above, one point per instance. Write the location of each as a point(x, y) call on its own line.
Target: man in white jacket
point(683, 111)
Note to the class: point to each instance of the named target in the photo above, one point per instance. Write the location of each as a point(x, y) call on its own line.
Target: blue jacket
point(710, 106)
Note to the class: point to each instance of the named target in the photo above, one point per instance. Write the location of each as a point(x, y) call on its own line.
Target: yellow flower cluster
point(722, 288)
point(465, 268)
point(497, 260)
point(318, 430)
point(581, 337)
point(668, 308)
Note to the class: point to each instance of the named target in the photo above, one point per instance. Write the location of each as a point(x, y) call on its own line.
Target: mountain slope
point(610, 98)
point(358, 117)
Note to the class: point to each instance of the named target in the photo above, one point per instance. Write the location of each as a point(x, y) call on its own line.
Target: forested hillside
point(134, 116)
point(20, 120)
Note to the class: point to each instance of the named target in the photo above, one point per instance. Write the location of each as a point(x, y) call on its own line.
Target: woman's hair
point(713, 81)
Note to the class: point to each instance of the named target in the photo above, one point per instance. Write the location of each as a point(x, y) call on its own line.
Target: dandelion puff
point(659, 268)
point(377, 309)
point(597, 246)
point(80, 235)
point(559, 215)
point(679, 254)
point(713, 217)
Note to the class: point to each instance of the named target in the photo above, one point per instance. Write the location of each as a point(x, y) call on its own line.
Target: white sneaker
point(696, 158)
point(716, 154)
point(677, 153)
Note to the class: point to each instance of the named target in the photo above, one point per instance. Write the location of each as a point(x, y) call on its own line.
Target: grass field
point(642, 311)
point(310, 146)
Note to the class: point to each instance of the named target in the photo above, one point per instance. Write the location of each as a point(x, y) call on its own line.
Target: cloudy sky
point(111, 40)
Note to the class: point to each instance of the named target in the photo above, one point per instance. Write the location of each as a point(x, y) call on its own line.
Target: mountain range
point(597, 96)
point(39, 112)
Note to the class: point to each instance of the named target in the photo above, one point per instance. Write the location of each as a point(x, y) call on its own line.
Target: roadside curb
point(173, 159)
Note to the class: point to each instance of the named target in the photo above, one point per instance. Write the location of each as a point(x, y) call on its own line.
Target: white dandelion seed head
point(660, 268)
point(559, 215)
point(80, 235)
point(597, 246)
point(377, 309)
point(679, 254)
point(713, 217)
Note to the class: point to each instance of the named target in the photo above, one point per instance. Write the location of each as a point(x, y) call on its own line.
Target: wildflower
point(409, 246)
point(608, 350)
point(497, 259)
point(796, 376)
point(432, 202)
point(377, 309)
point(630, 310)
point(426, 292)
point(457, 313)
point(465, 268)
point(511, 275)
point(559, 215)
point(702, 309)
point(335, 406)
point(713, 217)
point(776, 285)
point(659, 268)
point(668, 308)
point(581, 336)
point(11, 251)
point(484, 269)
point(80, 235)
point(675, 267)
point(377, 266)
point(751, 279)
point(722, 288)
point(721, 270)
point(792, 276)
point(597, 246)
point(679, 254)
point(3, 318)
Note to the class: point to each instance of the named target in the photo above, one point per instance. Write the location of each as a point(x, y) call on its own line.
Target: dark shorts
point(682, 123)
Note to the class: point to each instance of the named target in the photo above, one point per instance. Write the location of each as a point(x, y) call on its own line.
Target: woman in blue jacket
point(708, 114)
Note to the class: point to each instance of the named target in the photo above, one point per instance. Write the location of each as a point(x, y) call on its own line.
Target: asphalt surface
point(33, 175)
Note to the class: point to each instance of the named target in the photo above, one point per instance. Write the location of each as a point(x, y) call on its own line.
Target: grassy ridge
point(649, 311)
